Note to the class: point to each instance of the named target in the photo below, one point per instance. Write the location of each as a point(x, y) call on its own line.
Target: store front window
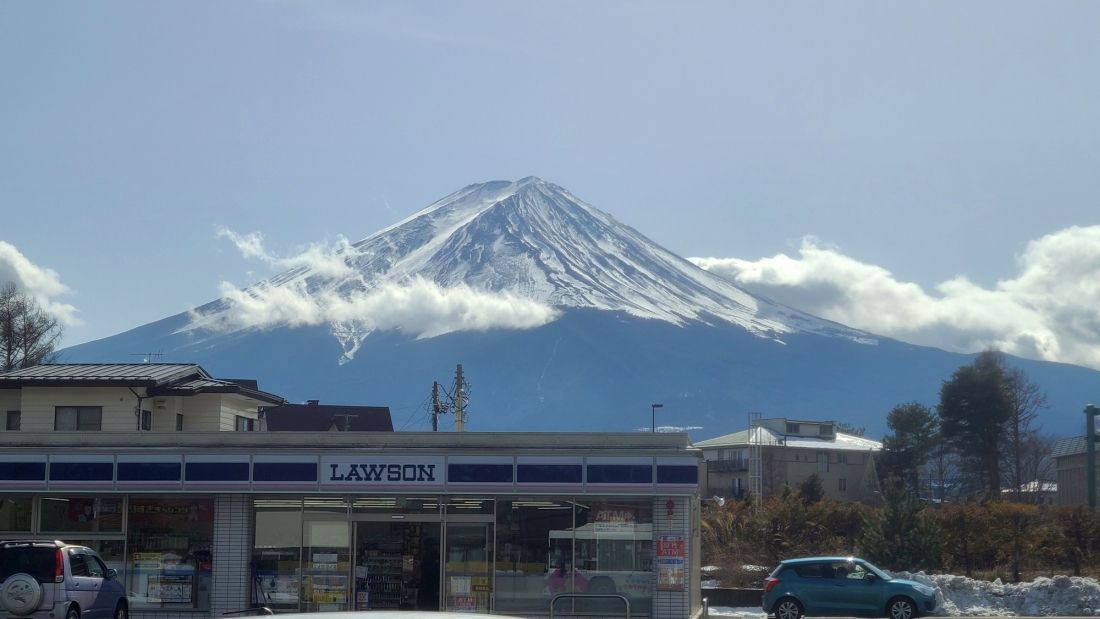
point(169, 546)
point(15, 513)
point(526, 555)
point(547, 547)
point(81, 514)
point(326, 555)
point(613, 542)
point(277, 553)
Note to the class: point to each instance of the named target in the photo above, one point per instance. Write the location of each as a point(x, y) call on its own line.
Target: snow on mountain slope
point(533, 240)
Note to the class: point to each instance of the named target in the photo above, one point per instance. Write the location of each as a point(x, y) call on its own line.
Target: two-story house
point(156, 397)
point(789, 452)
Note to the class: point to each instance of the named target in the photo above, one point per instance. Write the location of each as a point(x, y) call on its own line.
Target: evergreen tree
point(812, 489)
point(899, 536)
point(975, 406)
point(910, 445)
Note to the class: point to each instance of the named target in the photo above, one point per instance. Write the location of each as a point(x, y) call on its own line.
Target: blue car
point(842, 586)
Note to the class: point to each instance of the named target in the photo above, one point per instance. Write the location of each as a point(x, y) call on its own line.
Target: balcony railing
point(727, 466)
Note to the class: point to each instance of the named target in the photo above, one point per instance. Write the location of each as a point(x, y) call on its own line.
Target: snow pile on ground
point(1061, 595)
point(1065, 596)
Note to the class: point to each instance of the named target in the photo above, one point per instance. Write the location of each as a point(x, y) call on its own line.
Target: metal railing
point(590, 596)
point(249, 612)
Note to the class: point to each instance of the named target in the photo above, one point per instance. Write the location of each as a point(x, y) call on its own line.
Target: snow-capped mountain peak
point(535, 241)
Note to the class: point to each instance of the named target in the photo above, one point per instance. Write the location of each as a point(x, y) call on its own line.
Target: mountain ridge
point(629, 324)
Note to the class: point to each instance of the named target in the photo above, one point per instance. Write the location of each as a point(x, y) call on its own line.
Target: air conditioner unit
point(160, 403)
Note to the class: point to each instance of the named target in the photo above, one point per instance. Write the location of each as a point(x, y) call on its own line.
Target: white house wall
point(231, 408)
point(9, 400)
point(39, 403)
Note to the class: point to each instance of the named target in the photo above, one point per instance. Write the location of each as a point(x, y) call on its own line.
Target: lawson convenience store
point(199, 524)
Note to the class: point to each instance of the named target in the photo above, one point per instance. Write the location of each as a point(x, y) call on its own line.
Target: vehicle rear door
point(813, 589)
point(38, 560)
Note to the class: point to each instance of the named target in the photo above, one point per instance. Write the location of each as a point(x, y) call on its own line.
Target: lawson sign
point(382, 471)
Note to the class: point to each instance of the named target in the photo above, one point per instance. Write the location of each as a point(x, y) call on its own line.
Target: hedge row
point(995, 539)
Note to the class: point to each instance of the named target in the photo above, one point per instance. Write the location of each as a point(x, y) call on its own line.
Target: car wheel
point(121, 612)
point(20, 594)
point(901, 608)
point(788, 608)
point(73, 612)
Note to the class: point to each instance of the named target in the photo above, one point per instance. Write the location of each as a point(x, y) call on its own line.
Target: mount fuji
point(563, 318)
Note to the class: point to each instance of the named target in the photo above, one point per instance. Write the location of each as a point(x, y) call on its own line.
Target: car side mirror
point(870, 577)
point(112, 572)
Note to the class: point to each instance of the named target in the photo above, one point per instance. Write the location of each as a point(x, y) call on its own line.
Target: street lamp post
point(653, 411)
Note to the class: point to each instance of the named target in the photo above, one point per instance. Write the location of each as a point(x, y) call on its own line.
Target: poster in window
point(670, 563)
point(170, 588)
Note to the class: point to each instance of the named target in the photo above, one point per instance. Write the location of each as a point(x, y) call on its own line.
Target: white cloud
point(419, 307)
point(41, 283)
point(322, 260)
point(1050, 310)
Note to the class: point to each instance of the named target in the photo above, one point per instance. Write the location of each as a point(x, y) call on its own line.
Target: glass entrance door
point(467, 572)
point(396, 565)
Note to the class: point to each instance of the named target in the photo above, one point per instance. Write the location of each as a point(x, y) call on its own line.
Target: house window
point(842, 458)
point(78, 418)
point(146, 420)
point(244, 424)
point(842, 484)
point(825, 429)
point(179, 422)
point(792, 428)
point(14, 420)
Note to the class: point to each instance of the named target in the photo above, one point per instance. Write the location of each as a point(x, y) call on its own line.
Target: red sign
point(670, 546)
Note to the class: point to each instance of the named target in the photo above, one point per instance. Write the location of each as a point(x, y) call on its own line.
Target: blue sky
point(946, 151)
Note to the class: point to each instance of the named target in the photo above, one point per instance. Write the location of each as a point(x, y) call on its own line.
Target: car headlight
point(924, 590)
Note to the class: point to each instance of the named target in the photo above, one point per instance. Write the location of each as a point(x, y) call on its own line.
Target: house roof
point(186, 379)
point(1070, 447)
point(314, 417)
point(99, 374)
point(841, 442)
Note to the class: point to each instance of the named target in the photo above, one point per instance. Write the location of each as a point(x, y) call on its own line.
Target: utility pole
point(437, 410)
point(460, 401)
point(1090, 444)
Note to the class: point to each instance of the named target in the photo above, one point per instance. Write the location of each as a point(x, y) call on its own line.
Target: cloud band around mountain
point(1050, 310)
point(418, 307)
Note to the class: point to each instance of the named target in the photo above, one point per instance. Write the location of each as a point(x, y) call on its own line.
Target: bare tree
point(1024, 450)
point(28, 334)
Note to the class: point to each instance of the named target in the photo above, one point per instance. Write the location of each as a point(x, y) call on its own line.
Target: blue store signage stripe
point(677, 474)
point(82, 471)
point(217, 471)
point(23, 471)
point(479, 473)
point(149, 471)
point(620, 474)
point(284, 471)
point(548, 473)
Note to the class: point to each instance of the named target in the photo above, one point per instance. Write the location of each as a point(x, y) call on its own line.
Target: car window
point(95, 568)
point(77, 566)
point(858, 572)
point(38, 561)
point(812, 570)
